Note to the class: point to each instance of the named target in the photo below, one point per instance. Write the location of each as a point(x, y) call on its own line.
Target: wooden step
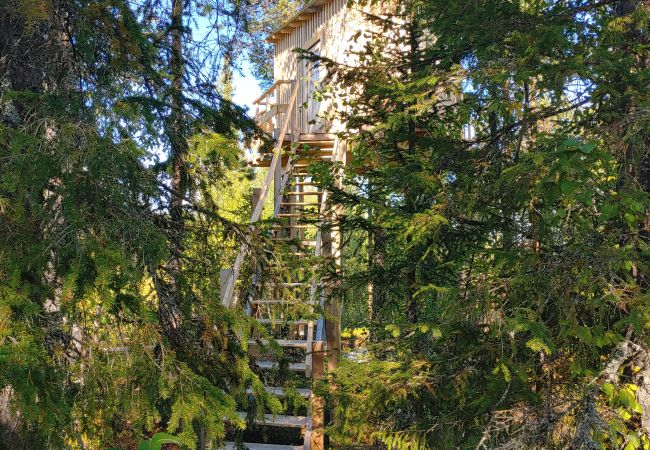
point(286, 343)
point(304, 183)
point(314, 151)
point(308, 214)
point(294, 241)
point(251, 446)
point(288, 285)
point(297, 227)
point(280, 420)
point(266, 365)
point(299, 204)
point(303, 193)
point(282, 322)
point(314, 139)
point(280, 302)
point(313, 157)
point(279, 392)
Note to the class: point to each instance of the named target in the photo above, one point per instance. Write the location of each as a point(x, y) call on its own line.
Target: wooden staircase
point(291, 341)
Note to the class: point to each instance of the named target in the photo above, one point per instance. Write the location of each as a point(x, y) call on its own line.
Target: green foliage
point(157, 441)
point(510, 267)
point(89, 137)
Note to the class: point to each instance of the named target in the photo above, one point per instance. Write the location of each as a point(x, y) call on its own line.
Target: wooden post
point(277, 178)
point(317, 402)
point(224, 276)
point(332, 248)
point(256, 194)
point(333, 330)
point(297, 112)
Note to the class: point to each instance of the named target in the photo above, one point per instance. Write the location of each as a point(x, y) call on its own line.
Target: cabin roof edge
point(303, 14)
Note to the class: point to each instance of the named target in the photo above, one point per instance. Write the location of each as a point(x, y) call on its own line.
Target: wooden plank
point(224, 277)
point(263, 364)
point(253, 446)
point(315, 6)
point(317, 138)
point(281, 322)
point(317, 438)
point(271, 113)
point(312, 215)
point(302, 193)
point(309, 346)
point(299, 204)
point(279, 302)
point(288, 343)
point(270, 90)
point(279, 420)
point(279, 392)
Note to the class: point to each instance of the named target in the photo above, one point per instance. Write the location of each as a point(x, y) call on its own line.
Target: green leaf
point(570, 144)
point(608, 389)
point(568, 186)
point(608, 211)
point(157, 441)
point(394, 330)
point(537, 344)
point(503, 368)
point(584, 197)
point(627, 398)
point(633, 442)
point(624, 414)
point(630, 219)
point(584, 333)
point(588, 147)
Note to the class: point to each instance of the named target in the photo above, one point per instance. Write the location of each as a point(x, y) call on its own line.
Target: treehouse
point(288, 295)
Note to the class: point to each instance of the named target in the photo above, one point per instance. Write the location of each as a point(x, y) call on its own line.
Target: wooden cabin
point(302, 314)
point(326, 28)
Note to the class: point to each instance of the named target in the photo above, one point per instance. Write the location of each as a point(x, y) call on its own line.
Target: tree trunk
point(38, 60)
point(168, 288)
point(376, 261)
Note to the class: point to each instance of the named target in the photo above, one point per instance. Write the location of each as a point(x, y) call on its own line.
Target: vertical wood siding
point(334, 27)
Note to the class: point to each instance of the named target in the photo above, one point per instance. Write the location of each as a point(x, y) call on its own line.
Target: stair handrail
point(257, 211)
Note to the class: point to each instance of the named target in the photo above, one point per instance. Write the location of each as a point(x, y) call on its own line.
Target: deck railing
point(272, 108)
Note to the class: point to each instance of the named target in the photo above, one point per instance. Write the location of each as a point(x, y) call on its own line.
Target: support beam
point(256, 194)
point(317, 402)
point(224, 276)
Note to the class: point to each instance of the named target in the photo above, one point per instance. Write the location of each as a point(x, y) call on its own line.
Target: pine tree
point(511, 280)
point(112, 139)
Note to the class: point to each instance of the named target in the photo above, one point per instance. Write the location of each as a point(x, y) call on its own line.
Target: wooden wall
point(334, 27)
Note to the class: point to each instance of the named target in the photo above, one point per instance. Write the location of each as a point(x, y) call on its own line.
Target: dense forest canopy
point(495, 220)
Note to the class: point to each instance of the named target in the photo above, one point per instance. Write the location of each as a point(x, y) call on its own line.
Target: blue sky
point(245, 87)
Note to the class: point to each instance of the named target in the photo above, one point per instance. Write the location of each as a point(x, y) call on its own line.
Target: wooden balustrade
point(272, 107)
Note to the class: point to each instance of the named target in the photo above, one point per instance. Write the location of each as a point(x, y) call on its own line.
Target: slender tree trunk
point(168, 288)
point(636, 172)
point(411, 201)
point(28, 63)
point(376, 260)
